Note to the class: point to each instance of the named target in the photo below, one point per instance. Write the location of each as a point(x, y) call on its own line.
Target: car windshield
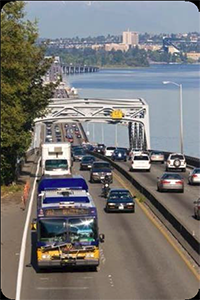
point(100, 146)
point(101, 166)
point(141, 158)
point(156, 153)
point(196, 171)
point(120, 195)
point(82, 230)
point(177, 156)
point(119, 151)
point(79, 152)
point(52, 230)
point(171, 176)
point(52, 164)
point(88, 158)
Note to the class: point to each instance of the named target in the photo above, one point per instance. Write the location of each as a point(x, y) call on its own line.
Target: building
point(193, 55)
point(130, 38)
point(113, 46)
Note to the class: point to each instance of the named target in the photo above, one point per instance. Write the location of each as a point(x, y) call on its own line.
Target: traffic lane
point(125, 247)
point(181, 204)
point(61, 283)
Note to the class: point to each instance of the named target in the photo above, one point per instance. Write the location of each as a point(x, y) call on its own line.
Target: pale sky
point(92, 18)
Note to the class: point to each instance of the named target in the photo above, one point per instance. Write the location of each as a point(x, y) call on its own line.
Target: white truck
point(56, 159)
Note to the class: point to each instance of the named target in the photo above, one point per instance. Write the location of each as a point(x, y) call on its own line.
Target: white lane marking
point(24, 239)
point(62, 288)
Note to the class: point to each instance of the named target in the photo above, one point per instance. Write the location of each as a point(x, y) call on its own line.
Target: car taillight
point(194, 175)
point(168, 161)
point(165, 181)
point(179, 182)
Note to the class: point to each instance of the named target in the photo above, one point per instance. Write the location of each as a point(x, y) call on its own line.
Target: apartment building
point(130, 38)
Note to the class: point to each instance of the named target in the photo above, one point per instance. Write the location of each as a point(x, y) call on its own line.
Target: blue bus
point(66, 225)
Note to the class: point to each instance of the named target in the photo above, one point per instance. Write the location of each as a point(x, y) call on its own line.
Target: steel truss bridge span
point(135, 114)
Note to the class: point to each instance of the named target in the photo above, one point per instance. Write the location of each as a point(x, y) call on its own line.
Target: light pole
point(180, 110)
point(102, 133)
point(116, 143)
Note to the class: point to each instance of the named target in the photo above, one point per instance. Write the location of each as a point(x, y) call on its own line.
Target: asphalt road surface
point(137, 262)
point(180, 204)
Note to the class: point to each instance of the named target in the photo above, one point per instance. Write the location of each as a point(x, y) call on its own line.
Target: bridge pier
point(137, 136)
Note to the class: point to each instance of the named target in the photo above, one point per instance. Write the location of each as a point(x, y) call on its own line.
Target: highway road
point(181, 205)
point(137, 261)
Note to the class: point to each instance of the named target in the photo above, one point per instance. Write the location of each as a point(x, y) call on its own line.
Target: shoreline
point(114, 67)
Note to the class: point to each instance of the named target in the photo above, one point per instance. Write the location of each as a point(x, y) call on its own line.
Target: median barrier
point(191, 161)
point(180, 231)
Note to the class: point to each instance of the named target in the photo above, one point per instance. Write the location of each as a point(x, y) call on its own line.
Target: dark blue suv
point(119, 154)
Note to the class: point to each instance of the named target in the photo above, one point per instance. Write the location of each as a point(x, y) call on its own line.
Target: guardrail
point(173, 224)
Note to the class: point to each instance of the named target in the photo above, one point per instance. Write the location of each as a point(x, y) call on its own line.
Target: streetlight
point(116, 143)
point(102, 133)
point(180, 111)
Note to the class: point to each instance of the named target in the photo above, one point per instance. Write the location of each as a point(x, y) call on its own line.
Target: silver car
point(170, 182)
point(194, 176)
point(157, 156)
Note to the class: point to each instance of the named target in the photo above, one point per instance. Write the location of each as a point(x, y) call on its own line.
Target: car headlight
point(108, 173)
point(131, 203)
point(95, 173)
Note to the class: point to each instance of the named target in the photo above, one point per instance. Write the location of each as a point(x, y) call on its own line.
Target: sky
point(58, 19)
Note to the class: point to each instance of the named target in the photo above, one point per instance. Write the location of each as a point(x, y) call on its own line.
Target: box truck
point(56, 159)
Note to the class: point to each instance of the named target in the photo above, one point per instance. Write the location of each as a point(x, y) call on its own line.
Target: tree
point(23, 95)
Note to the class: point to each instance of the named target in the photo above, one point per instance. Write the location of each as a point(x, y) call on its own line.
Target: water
point(163, 101)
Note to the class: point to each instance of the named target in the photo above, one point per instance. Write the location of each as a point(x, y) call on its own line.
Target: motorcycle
point(105, 189)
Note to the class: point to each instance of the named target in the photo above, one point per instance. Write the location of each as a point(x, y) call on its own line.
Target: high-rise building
point(130, 38)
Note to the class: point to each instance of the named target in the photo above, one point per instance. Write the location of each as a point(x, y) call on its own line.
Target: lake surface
point(163, 101)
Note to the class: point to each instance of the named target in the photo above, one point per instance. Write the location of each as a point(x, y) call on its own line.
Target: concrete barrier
point(174, 225)
point(191, 161)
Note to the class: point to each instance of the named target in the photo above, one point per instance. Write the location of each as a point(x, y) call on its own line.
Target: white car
point(140, 162)
point(176, 161)
point(194, 176)
point(134, 152)
point(109, 151)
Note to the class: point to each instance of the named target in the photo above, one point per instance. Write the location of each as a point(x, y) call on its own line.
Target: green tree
point(23, 95)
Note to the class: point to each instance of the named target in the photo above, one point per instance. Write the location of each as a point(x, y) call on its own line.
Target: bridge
point(132, 112)
point(76, 69)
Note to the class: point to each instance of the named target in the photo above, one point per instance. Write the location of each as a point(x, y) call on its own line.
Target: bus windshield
point(52, 230)
point(82, 230)
point(73, 229)
point(52, 164)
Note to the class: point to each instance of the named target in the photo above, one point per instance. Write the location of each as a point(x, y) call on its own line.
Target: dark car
point(119, 154)
point(86, 162)
point(78, 154)
point(120, 200)
point(89, 147)
point(99, 170)
point(70, 138)
point(100, 148)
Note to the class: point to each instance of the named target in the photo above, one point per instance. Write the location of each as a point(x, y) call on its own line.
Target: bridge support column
point(137, 136)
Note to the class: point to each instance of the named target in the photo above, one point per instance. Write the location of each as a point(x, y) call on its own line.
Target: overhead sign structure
point(131, 112)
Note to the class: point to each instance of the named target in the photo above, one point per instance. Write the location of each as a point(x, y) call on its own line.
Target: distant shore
point(141, 67)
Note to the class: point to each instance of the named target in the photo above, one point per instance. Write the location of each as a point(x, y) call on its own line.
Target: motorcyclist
point(106, 185)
